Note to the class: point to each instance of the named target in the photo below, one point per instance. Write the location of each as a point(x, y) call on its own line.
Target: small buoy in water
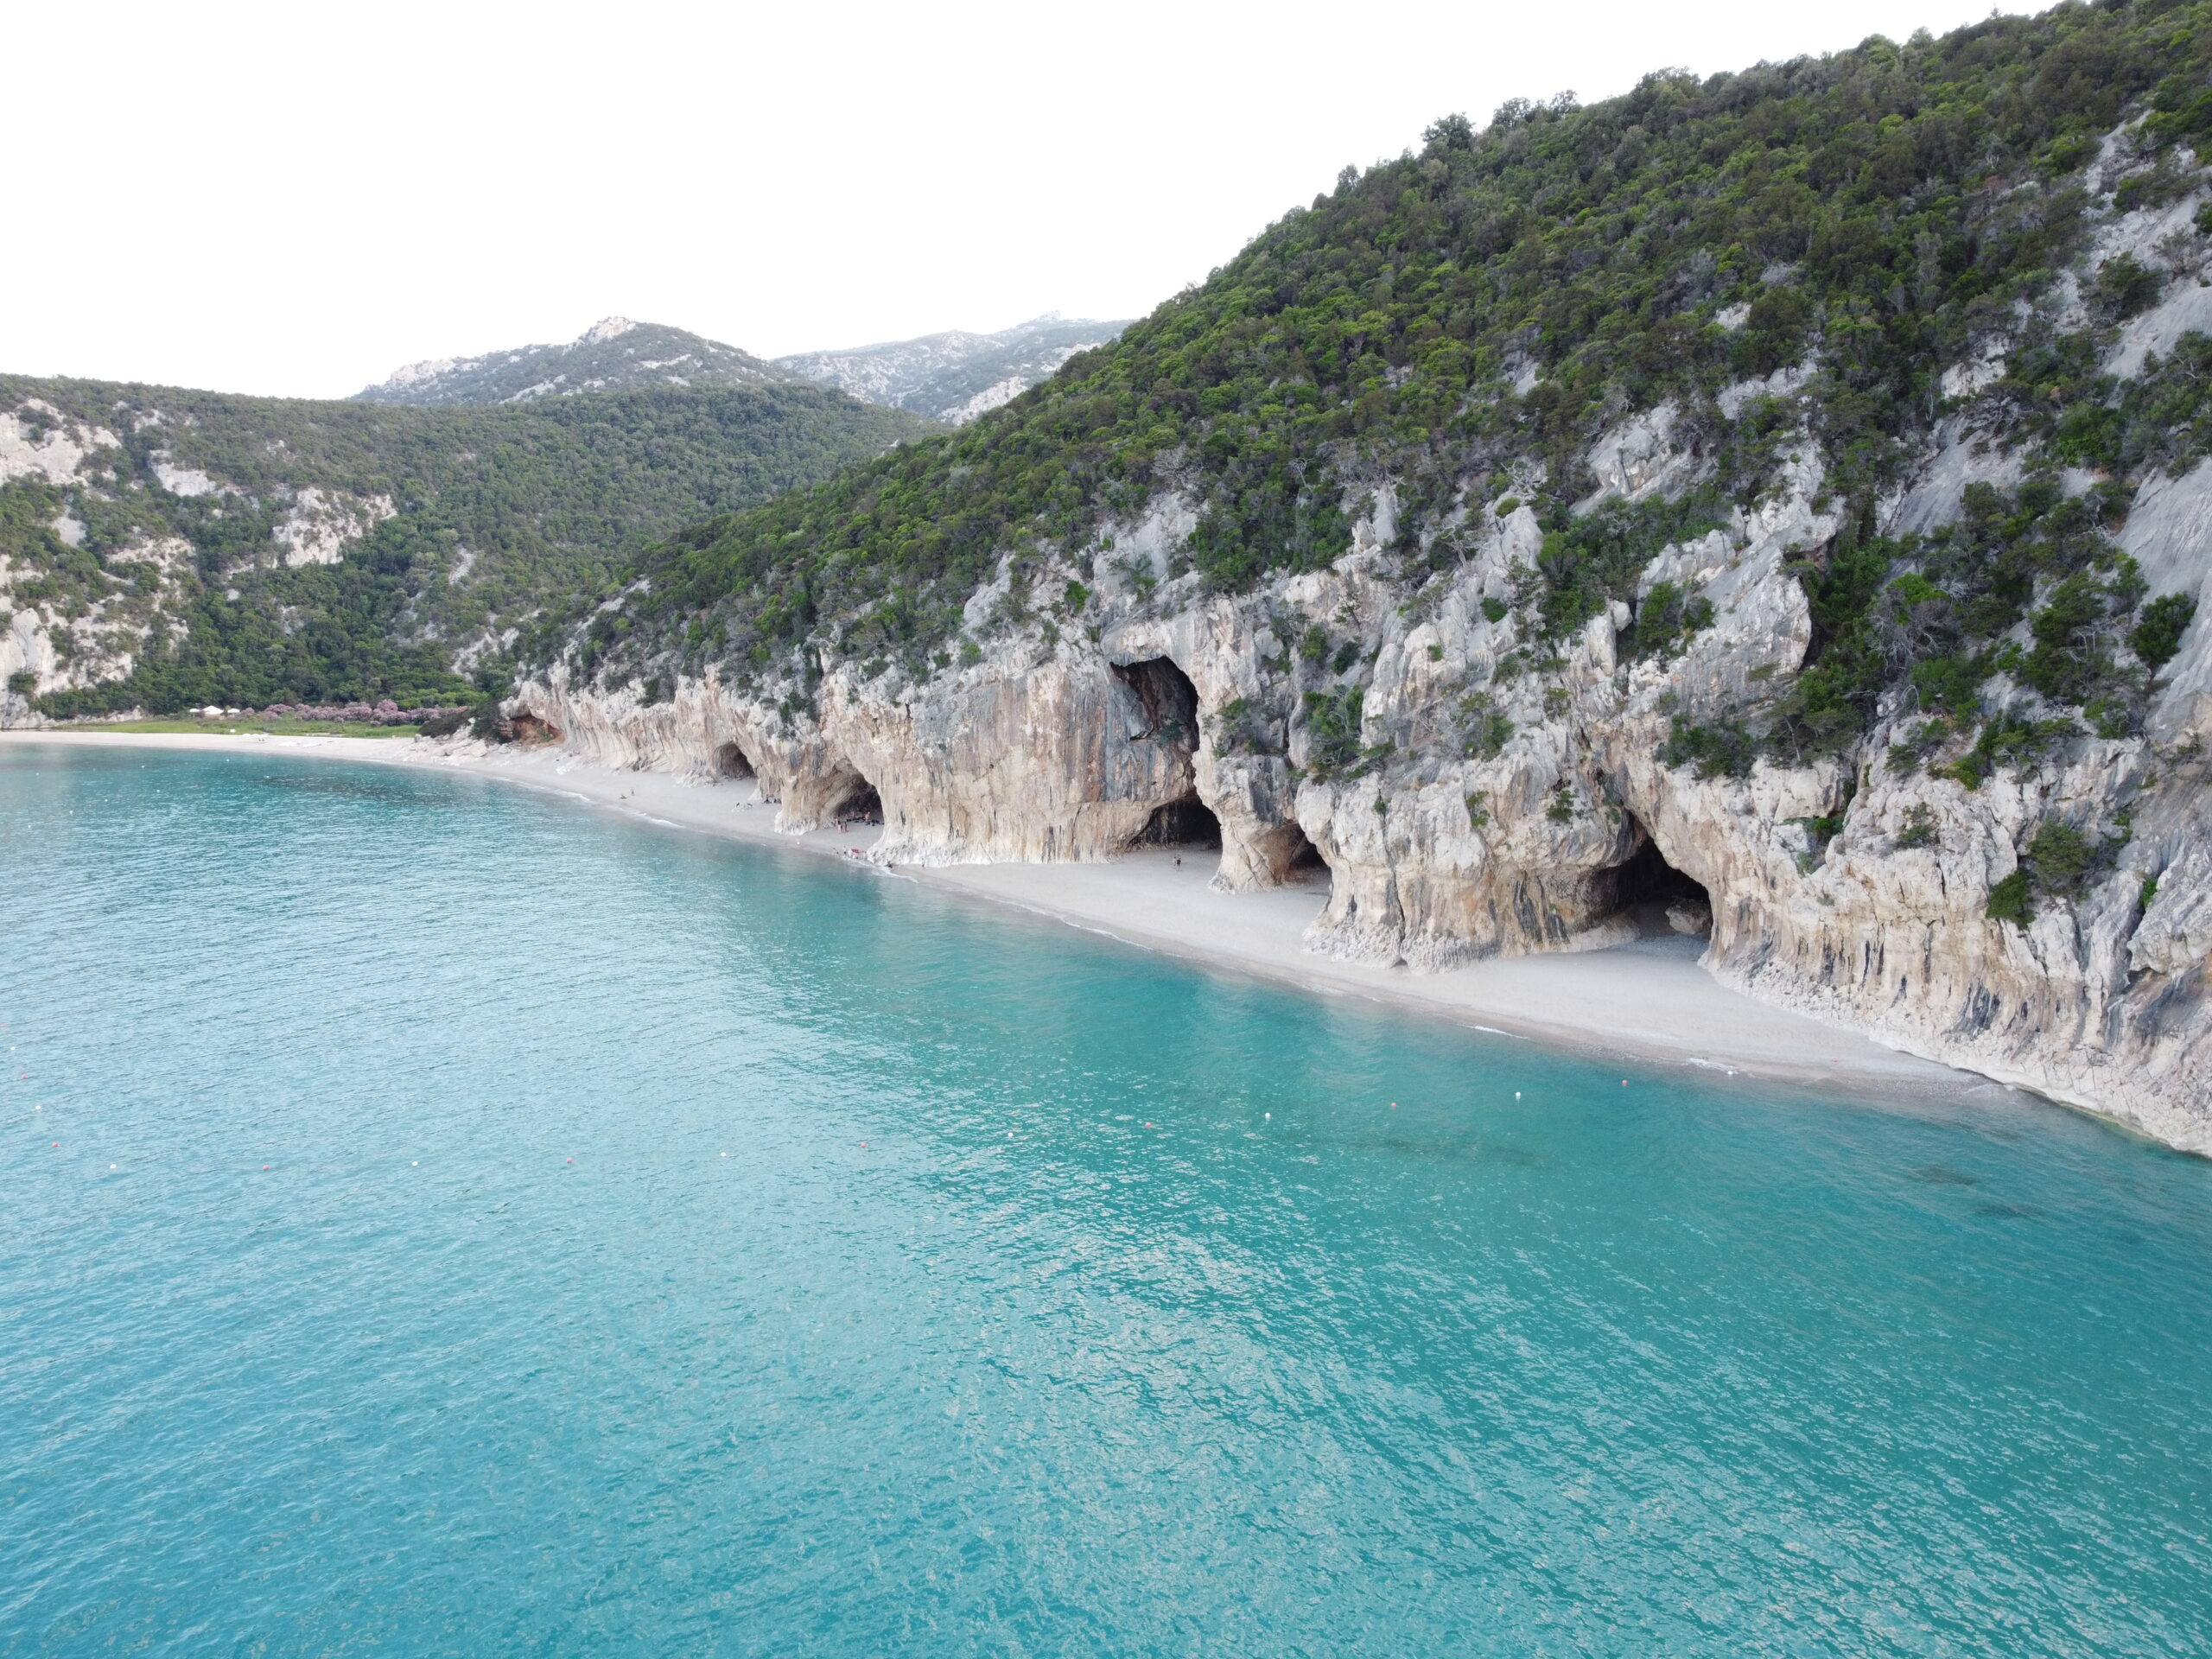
point(1394, 1105)
point(111, 1165)
point(1516, 1093)
point(1267, 1115)
point(1624, 1083)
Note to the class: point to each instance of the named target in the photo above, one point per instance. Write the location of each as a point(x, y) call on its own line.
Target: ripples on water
point(481, 1225)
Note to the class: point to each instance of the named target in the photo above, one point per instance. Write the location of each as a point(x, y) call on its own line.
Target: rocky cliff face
point(1488, 793)
point(1925, 758)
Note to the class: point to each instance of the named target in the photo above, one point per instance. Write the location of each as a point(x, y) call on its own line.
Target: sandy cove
point(1649, 1000)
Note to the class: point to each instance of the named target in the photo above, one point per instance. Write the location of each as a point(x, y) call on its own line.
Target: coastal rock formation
point(1555, 545)
point(1474, 797)
point(1483, 812)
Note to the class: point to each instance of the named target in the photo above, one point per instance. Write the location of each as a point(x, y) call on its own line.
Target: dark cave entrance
point(1166, 711)
point(860, 805)
point(1187, 823)
point(1302, 860)
point(1169, 701)
point(1661, 899)
point(730, 761)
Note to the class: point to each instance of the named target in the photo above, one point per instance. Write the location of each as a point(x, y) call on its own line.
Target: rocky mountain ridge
point(614, 354)
point(1870, 627)
point(951, 377)
point(955, 377)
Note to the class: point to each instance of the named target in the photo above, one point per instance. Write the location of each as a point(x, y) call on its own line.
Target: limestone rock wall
point(1474, 791)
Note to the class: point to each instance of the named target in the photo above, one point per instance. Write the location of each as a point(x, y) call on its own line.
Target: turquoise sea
point(443, 1219)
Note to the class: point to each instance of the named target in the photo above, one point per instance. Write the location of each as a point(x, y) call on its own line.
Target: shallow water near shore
point(482, 1225)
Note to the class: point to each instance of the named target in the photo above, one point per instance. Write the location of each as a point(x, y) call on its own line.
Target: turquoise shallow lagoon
point(439, 1219)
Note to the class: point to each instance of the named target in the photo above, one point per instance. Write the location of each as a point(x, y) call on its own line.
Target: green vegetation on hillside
point(503, 516)
point(250, 725)
point(1451, 317)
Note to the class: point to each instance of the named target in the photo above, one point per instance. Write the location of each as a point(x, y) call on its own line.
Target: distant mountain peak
point(614, 354)
point(955, 376)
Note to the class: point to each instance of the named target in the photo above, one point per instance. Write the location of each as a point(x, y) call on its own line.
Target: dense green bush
point(1332, 721)
point(2157, 636)
point(1723, 749)
point(2011, 901)
point(2057, 861)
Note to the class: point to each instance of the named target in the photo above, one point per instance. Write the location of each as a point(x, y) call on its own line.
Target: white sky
point(299, 198)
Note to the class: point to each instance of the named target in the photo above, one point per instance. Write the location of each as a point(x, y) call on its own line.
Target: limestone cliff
point(1495, 808)
point(1869, 640)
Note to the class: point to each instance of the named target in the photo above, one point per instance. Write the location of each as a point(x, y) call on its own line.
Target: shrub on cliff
point(2057, 863)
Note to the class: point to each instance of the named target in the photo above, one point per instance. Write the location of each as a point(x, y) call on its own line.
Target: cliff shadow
point(1295, 860)
point(1659, 899)
point(733, 766)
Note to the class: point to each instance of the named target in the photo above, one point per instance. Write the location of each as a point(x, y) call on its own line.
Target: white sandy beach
point(1649, 1000)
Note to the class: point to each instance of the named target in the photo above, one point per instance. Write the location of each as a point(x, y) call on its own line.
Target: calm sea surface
point(439, 1219)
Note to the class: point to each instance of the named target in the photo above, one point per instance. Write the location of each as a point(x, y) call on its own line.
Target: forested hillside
point(166, 548)
point(1829, 237)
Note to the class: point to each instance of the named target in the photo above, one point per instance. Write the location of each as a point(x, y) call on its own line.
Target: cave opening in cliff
point(1187, 823)
point(1303, 860)
point(860, 805)
point(1661, 899)
point(730, 761)
point(1169, 700)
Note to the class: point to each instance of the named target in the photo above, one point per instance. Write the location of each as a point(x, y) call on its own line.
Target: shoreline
point(1648, 1002)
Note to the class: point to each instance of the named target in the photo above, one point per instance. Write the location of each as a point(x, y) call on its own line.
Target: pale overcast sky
point(299, 198)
